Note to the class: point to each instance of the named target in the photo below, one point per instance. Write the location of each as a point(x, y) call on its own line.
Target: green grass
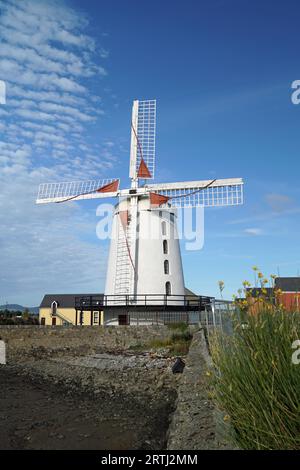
point(138, 346)
point(180, 326)
point(255, 382)
point(177, 343)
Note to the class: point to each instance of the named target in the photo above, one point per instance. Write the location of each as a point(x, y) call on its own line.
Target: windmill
point(139, 264)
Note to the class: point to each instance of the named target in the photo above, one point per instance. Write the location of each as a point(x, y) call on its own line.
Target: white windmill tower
point(139, 264)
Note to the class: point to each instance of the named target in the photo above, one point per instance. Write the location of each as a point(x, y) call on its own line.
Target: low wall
point(195, 424)
point(24, 340)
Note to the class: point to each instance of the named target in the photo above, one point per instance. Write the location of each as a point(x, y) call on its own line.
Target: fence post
point(206, 315)
point(221, 323)
point(213, 306)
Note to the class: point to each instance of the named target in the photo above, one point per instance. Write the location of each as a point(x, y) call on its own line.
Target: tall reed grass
point(255, 382)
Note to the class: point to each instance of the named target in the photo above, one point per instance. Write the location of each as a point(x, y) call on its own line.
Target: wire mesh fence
point(218, 316)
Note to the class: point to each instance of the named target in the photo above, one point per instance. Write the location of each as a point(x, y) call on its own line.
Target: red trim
point(158, 199)
point(143, 171)
point(123, 218)
point(109, 188)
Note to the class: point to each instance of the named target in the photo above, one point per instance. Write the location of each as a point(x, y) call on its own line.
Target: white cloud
point(12, 71)
point(52, 96)
point(40, 246)
point(254, 231)
point(46, 59)
point(279, 202)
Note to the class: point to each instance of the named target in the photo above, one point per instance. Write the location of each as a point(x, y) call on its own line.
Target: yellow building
point(96, 309)
point(59, 309)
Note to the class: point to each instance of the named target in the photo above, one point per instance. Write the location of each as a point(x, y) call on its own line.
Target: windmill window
point(165, 247)
point(54, 307)
point(160, 213)
point(168, 288)
point(164, 228)
point(166, 267)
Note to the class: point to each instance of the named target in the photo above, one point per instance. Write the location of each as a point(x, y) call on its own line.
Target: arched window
point(168, 288)
point(165, 247)
point(164, 228)
point(166, 266)
point(54, 307)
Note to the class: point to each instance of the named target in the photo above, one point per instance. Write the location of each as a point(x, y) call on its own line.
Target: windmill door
point(124, 320)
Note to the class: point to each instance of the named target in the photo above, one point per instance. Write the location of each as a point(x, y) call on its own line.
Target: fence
point(139, 318)
point(218, 316)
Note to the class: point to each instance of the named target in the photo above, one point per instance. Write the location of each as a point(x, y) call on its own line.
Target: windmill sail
point(142, 149)
point(208, 193)
point(75, 190)
point(140, 264)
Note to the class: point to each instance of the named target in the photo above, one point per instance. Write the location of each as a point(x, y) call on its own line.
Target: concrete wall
point(196, 424)
point(28, 340)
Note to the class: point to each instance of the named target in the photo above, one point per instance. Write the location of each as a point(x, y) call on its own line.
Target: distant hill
point(17, 307)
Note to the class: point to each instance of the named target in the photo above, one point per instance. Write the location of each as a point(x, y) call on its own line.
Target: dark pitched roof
point(288, 284)
point(63, 300)
point(189, 292)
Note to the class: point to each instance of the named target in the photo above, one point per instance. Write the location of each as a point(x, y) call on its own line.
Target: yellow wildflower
point(246, 284)
point(221, 285)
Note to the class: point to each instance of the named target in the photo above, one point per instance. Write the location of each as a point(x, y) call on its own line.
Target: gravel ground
point(100, 401)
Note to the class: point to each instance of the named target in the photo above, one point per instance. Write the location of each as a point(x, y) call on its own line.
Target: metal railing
point(187, 302)
point(219, 316)
point(62, 317)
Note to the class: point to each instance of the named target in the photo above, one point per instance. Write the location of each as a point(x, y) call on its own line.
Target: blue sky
point(221, 72)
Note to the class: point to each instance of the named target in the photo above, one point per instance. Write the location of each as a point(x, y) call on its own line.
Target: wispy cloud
point(273, 206)
point(48, 63)
point(254, 231)
point(279, 202)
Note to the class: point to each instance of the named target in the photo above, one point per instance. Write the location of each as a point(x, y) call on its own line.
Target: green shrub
point(181, 336)
point(255, 382)
point(178, 343)
point(181, 326)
